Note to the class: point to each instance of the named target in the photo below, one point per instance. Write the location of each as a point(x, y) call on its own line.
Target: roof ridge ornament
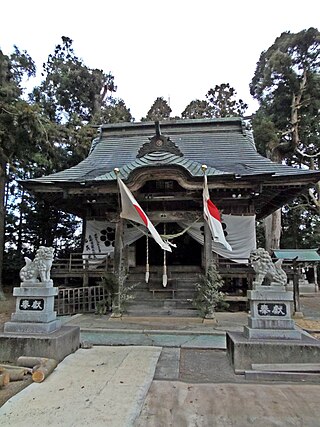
point(160, 143)
point(158, 130)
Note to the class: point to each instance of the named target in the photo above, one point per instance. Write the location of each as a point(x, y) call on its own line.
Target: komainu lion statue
point(39, 267)
point(264, 268)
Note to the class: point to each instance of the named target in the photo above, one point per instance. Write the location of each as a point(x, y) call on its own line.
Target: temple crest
point(160, 143)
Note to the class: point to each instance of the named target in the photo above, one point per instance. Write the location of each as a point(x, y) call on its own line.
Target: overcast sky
point(174, 49)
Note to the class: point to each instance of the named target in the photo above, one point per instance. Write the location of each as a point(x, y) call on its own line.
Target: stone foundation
point(243, 352)
point(56, 345)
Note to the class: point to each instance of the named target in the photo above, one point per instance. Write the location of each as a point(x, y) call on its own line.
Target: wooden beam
point(118, 247)
point(208, 257)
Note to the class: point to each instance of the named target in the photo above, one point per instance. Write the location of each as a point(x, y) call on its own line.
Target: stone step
point(286, 367)
point(162, 338)
point(165, 310)
point(282, 376)
point(172, 268)
point(160, 303)
point(188, 281)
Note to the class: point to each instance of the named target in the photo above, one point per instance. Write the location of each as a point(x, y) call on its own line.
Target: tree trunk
point(30, 361)
point(296, 292)
point(42, 371)
point(20, 225)
point(5, 367)
point(42, 366)
point(16, 374)
point(273, 230)
point(4, 379)
point(2, 222)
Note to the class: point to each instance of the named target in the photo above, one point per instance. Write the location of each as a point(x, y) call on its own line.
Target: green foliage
point(160, 110)
point(280, 68)
point(265, 133)
point(21, 130)
point(71, 87)
point(208, 297)
point(118, 294)
point(287, 125)
point(286, 83)
point(260, 235)
point(115, 112)
point(49, 132)
point(110, 285)
point(300, 229)
point(221, 101)
point(197, 109)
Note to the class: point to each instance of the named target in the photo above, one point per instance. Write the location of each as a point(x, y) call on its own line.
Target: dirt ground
point(7, 307)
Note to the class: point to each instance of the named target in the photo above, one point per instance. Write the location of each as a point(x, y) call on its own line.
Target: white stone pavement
point(101, 386)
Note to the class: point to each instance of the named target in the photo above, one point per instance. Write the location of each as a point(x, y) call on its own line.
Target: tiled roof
point(300, 254)
point(222, 144)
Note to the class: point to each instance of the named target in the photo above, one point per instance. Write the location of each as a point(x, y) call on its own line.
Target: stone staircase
point(154, 299)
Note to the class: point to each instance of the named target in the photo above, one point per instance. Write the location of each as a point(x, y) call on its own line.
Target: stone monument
point(35, 298)
point(270, 336)
point(34, 329)
point(270, 305)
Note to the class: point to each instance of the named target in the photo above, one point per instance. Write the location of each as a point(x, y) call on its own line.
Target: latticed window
point(164, 185)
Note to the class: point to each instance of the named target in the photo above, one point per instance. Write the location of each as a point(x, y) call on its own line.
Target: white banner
point(100, 239)
point(240, 232)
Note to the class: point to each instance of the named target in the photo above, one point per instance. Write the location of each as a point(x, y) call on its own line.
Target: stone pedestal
point(243, 352)
point(270, 308)
point(271, 336)
point(34, 329)
point(34, 309)
point(56, 345)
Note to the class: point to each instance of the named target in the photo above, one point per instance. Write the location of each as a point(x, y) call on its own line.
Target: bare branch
point(310, 156)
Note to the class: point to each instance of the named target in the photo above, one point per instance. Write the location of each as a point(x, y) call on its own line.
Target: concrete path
point(158, 331)
point(101, 386)
point(108, 386)
point(226, 322)
point(176, 404)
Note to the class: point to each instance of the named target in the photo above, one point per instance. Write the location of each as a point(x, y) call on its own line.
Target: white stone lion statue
point(264, 268)
point(39, 267)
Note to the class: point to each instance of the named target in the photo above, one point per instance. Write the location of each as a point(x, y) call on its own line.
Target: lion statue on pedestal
point(264, 268)
point(39, 267)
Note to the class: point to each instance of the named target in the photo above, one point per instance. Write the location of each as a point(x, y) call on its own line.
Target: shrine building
point(162, 165)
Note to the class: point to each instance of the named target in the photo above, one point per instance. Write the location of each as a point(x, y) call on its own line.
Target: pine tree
point(208, 294)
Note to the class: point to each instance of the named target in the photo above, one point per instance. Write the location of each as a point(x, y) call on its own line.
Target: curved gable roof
point(222, 144)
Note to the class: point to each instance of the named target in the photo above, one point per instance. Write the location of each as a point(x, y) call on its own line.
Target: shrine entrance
point(187, 252)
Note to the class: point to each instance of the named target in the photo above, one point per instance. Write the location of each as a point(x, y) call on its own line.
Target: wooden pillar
point(117, 265)
point(83, 235)
point(118, 247)
point(315, 274)
point(207, 247)
point(296, 293)
point(126, 258)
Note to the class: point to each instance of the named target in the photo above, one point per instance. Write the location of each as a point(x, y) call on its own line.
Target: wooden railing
point(81, 266)
point(77, 262)
point(78, 300)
